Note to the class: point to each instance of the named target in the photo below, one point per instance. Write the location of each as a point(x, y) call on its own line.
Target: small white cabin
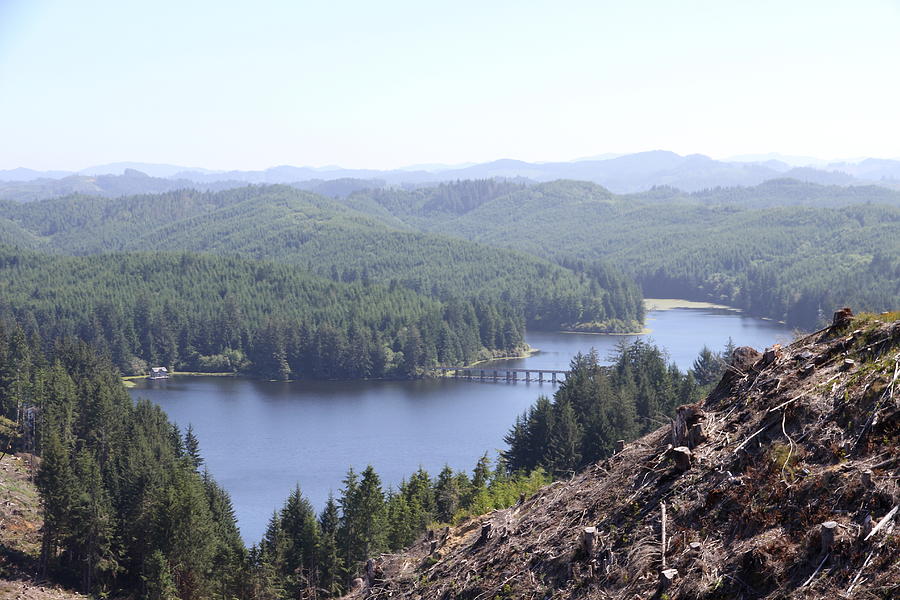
point(159, 373)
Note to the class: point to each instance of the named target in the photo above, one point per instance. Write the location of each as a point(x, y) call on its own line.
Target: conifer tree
point(447, 494)
point(192, 448)
point(330, 564)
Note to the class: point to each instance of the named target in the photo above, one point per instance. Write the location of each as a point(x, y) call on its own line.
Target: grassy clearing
point(671, 303)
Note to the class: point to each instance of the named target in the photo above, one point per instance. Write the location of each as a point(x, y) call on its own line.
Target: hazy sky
point(227, 84)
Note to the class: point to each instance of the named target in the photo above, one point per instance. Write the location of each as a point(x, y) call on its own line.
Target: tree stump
point(588, 540)
point(666, 577)
point(485, 533)
point(842, 317)
point(771, 355)
point(620, 445)
point(682, 457)
point(827, 531)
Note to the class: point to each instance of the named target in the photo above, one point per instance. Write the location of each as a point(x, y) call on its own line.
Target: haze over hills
point(619, 173)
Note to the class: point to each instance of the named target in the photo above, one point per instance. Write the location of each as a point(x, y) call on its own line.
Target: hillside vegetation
point(786, 250)
point(208, 313)
point(332, 240)
point(782, 483)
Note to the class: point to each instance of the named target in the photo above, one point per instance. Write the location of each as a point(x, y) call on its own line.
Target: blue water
point(260, 438)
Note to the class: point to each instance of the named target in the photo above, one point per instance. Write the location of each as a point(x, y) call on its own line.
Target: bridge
point(510, 375)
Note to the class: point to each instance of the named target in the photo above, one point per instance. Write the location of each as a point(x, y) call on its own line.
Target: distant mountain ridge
point(628, 173)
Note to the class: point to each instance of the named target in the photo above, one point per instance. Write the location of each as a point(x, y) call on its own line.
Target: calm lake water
point(260, 438)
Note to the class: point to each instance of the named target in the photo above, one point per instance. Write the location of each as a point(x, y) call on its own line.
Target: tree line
point(597, 405)
point(340, 240)
point(304, 554)
point(224, 314)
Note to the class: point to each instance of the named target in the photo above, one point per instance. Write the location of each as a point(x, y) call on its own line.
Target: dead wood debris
point(792, 491)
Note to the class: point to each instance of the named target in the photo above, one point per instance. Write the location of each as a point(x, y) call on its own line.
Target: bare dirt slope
point(790, 490)
point(20, 534)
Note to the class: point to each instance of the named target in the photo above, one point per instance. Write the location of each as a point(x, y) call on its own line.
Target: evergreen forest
point(129, 507)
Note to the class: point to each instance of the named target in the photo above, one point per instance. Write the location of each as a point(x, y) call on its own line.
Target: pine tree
point(364, 529)
point(158, 580)
point(57, 484)
point(331, 567)
point(447, 494)
point(564, 449)
point(192, 448)
point(708, 367)
point(301, 532)
point(92, 522)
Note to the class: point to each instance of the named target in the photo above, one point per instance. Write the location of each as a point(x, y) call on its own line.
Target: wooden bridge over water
point(510, 375)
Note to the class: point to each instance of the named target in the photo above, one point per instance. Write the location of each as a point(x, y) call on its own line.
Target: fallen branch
point(816, 572)
point(884, 521)
point(747, 441)
point(861, 569)
point(790, 452)
point(783, 404)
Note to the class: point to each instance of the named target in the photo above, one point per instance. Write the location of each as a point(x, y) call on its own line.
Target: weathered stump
point(842, 317)
point(620, 445)
point(485, 533)
point(771, 355)
point(588, 540)
point(667, 577)
point(682, 457)
point(827, 531)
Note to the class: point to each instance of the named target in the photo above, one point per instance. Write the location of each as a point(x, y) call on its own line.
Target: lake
point(261, 438)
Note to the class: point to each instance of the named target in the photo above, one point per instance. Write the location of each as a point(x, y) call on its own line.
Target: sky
point(247, 85)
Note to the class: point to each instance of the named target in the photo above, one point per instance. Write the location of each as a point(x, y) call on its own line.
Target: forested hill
point(779, 193)
point(208, 313)
point(330, 239)
point(785, 250)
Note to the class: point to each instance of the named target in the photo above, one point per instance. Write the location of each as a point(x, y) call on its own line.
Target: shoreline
point(650, 304)
point(644, 331)
point(527, 354)
point(128, 380)
point(673, 303)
